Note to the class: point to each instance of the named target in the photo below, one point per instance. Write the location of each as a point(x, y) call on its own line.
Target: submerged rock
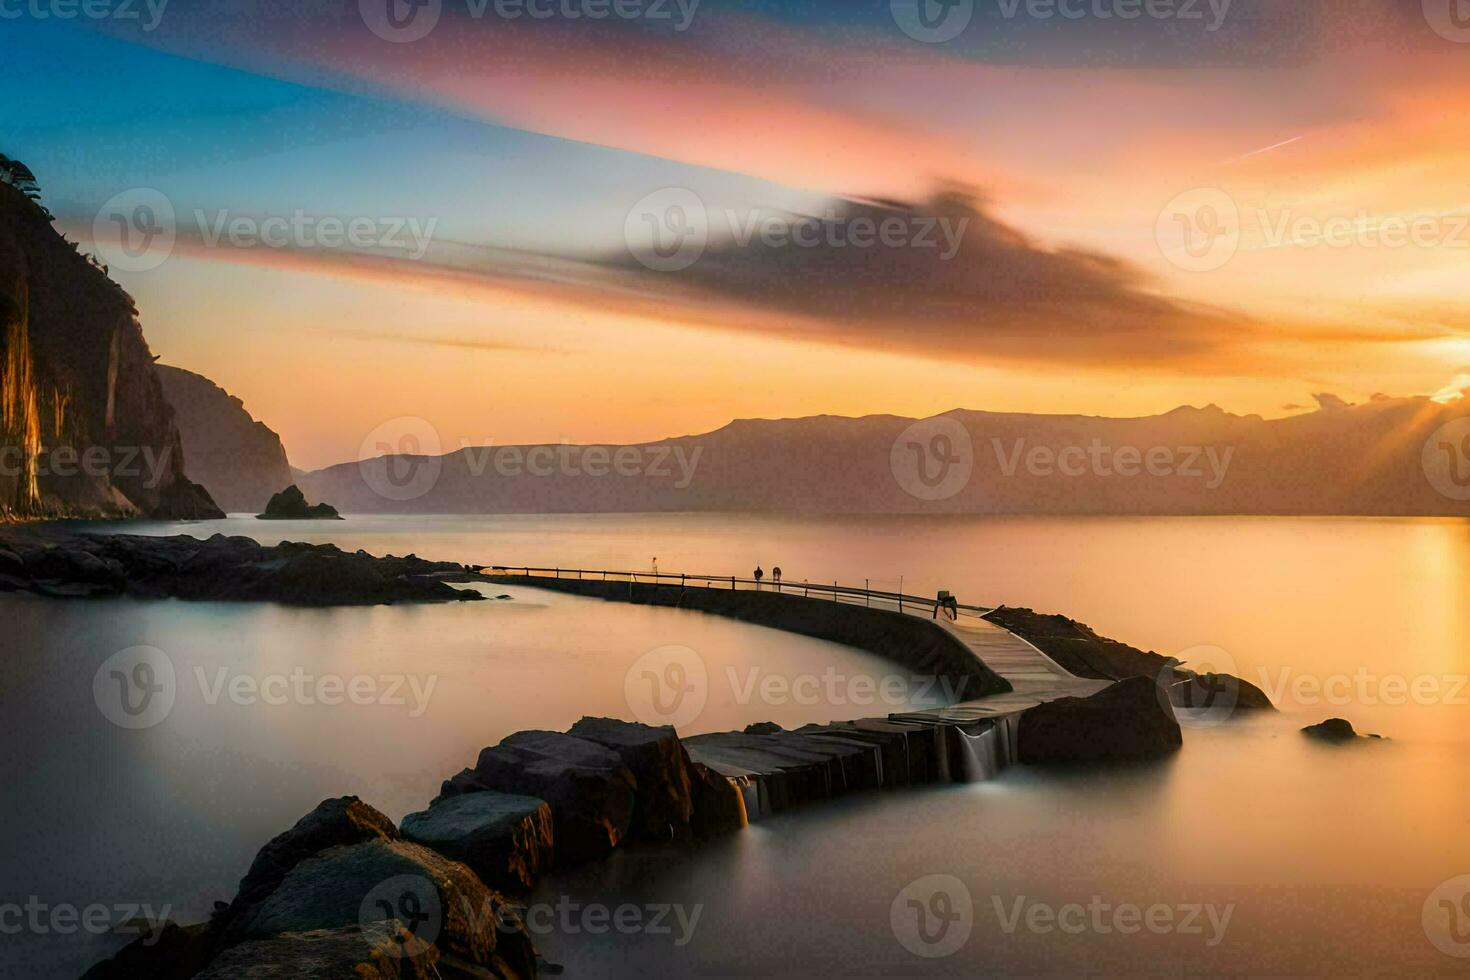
point(1125, 721)
point(504, 838)
point(290, 505)
point(1335, 730)
point(657, 759)
point(590, 790)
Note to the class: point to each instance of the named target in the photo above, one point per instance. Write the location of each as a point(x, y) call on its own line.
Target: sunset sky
point(525, 144)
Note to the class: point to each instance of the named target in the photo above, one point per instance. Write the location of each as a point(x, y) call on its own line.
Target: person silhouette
point(758, 576)
point(776, 577)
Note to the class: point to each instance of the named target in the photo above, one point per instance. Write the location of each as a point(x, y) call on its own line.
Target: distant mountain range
point(1390, 456)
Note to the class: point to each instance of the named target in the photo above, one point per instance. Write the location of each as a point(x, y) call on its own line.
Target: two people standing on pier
point(775, 577)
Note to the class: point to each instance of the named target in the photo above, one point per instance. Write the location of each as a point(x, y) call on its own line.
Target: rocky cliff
point(84, 427)
point(239, 460)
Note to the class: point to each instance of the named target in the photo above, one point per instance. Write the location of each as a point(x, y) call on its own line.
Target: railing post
point(867, 594)
point(732, 583)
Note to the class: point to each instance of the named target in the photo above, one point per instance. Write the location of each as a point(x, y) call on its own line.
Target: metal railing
point(918, 605)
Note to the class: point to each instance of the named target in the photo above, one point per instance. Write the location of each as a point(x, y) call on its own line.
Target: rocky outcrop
point(1126, 721)
point(505, 839)
point(290, 505)
point(334, 822)
point(590, 790)
point(659, 764)
point(85, 430)
point(371, 952)
point(239, 460)
point(54, 563)
point(719, 806)
point(1337, 731)
point(1085, 653)
point(340, 894)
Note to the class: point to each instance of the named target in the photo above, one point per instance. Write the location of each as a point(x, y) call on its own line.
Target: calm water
point(1323, 858)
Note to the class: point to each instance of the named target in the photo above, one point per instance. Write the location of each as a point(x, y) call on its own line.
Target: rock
point(719, 806)
point(50, 561)
point(175, 953)
point(590, 790)
point(374, 952)
point(1335, 730)
point(439, 902)
point(343, 820)
point(290, 505)
point(504, 838)
point(1127, 720)
point(659, 763)
point(238, 460)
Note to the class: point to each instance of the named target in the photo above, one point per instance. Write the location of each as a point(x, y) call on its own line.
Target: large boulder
point(1127, 720)
point(658, 761)
point(175, 953)
point(343, 820)
point(504, 838)
point(440, 903)
point(372, 952)
point(590, 790)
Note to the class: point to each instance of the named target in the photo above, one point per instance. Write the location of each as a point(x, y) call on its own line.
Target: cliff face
point(239, 460)
point(84, 427)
